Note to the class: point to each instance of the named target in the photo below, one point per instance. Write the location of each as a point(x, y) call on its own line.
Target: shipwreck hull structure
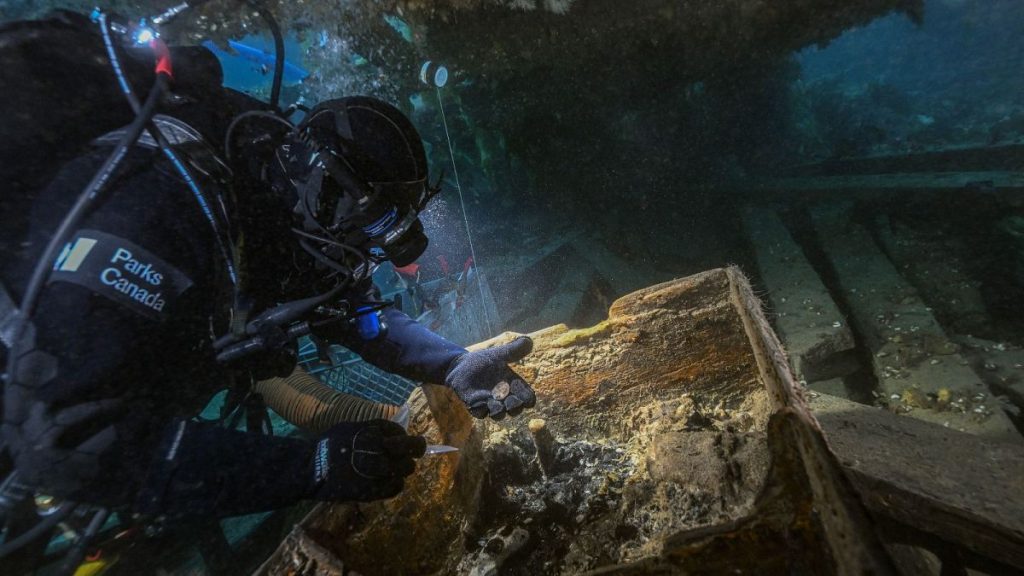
point(674, 439)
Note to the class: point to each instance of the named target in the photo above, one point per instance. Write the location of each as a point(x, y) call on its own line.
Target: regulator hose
point(308, 403)
point(275, 31)
point(39, 529)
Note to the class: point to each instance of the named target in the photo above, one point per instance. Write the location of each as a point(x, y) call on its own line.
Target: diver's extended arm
point(482, 379)
point(406, 347)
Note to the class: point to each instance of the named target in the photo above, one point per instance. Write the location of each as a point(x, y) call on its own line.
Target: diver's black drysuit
point(95, 343)
point(123, 332)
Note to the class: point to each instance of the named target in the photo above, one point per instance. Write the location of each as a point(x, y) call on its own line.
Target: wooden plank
point(960, 488)
point(1006, 157)
point(818, 340)
point(905, 182)
point(914, 362)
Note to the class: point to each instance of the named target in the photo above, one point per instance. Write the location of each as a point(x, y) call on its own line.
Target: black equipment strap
point(8, 314)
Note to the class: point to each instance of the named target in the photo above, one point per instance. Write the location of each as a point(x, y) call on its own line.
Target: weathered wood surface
point(960, 488)
point(807, 517)
point(704, 333)
point(677, 337)
point(829, 186)
point(818, 339)
point(911, 353)
point(1004, 157)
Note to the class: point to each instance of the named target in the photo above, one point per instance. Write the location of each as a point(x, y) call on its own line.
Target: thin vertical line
point(462, 202)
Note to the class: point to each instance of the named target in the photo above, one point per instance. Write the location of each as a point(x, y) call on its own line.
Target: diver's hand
point(364, 461)
point(61, 449)
point(487, 385)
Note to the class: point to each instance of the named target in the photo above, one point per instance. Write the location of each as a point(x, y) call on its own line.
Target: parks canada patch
point(121, 271)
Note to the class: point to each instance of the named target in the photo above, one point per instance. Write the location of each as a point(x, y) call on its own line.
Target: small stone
point(837, 324)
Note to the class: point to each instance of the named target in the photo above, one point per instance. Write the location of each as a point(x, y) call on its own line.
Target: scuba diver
point(151, 270)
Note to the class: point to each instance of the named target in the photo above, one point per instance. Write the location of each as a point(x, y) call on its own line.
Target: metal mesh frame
point(352, 375)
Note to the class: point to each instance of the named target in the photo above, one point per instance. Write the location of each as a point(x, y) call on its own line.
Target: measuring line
point(462, 202)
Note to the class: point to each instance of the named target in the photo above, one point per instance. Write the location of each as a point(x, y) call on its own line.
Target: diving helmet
point(355, 173)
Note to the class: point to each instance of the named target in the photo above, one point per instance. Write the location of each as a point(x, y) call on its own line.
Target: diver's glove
point(364, 461)
point(487, 385)
point(48, 444)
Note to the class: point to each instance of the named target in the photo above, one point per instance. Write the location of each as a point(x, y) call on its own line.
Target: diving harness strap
point(8, 316)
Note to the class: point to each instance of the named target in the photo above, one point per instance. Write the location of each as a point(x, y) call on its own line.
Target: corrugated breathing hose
point(310, 404)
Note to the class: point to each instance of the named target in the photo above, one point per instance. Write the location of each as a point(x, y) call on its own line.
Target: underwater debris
point(978, 406)
point(683, 444)
point(581, 485)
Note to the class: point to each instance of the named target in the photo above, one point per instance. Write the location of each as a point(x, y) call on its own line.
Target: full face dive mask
point(357, 174)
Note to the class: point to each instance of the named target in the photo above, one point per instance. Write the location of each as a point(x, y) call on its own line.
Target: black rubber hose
point(310, 404)
point(41, 528)
point(74, 556)
point(275, 88)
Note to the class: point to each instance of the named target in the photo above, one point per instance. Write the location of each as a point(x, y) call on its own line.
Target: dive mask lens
point(405, 249)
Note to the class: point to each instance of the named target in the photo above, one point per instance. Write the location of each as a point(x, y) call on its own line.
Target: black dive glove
point(487, 385)
point(48, 445)
point(364, 461)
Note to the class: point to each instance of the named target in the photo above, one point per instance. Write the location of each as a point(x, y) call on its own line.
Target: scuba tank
point(60, 93)
point(53, 73)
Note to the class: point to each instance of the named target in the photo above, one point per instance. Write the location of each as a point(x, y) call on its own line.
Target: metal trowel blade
point(433, 449)
point(402, 419)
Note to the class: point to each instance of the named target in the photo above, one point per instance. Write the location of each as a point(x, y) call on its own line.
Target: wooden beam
point(888, 183)
point(1005, 157)
point(911, 354)
point(960, 488)
point(819, 342)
